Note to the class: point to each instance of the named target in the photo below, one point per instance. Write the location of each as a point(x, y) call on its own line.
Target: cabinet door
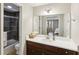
point(51, 50)
point(33, 48)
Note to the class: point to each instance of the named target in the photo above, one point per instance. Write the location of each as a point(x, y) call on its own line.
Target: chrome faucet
point(53, 35)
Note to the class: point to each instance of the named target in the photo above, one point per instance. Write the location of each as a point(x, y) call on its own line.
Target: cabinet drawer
point(34, 48)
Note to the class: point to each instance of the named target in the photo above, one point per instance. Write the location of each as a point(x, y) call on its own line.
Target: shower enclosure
point(11, 26)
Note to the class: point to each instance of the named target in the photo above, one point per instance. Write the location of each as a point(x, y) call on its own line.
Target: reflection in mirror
point(51, 24)
point(55, 25)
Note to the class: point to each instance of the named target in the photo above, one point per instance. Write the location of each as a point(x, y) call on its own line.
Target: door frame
point(1, 28)
point(2, 24)
point(20, 29)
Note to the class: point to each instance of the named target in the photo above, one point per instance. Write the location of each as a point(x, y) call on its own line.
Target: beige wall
point(27, 13)
point(75, 22)
point(56, 8)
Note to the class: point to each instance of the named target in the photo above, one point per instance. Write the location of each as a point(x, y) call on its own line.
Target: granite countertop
point(60, 42)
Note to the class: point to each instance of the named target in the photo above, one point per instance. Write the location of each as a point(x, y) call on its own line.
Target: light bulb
point(9, 7)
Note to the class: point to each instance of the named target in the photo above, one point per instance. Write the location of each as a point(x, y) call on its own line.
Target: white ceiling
point(33, 4)
point(36, 4)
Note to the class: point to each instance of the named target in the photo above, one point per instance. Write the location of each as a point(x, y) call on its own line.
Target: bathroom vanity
point(42, 49)
point(46, 47)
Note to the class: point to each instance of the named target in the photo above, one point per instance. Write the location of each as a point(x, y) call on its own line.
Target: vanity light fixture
point(48, 10)
point(9, 7)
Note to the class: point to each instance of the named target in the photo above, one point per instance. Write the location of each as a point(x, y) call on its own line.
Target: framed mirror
point(57, 24)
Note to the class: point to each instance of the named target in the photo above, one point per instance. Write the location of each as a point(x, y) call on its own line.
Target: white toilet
point(5, 38)
point(17, 46)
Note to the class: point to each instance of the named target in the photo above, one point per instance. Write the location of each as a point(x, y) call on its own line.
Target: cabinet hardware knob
point(66, 52)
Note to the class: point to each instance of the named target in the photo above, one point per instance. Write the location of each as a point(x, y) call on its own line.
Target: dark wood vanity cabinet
point(33, 48)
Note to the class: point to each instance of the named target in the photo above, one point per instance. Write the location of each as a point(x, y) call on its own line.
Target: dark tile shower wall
point(11, 25)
